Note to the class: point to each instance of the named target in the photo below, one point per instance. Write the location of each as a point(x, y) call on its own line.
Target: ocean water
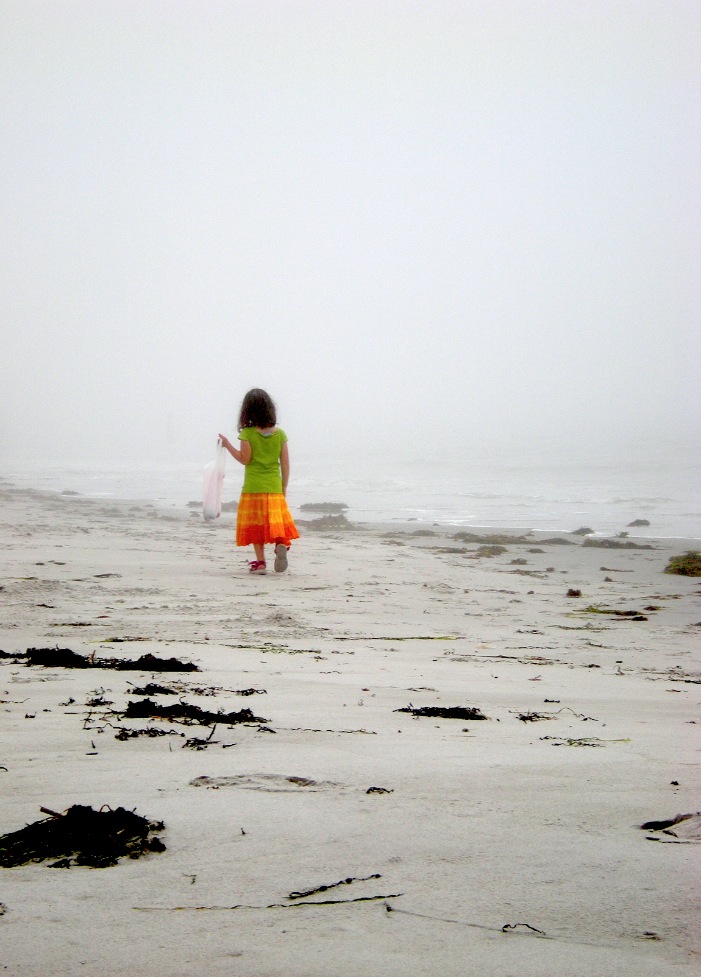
point(557, 495)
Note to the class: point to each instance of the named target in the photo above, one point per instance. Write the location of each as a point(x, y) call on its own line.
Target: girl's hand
point(225, 442)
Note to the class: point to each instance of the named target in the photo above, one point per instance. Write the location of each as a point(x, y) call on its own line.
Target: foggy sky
point(412, 222)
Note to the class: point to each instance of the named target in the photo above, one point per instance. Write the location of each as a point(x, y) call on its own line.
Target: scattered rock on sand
point(330, 508)
point(583, 531)
point(326, 523)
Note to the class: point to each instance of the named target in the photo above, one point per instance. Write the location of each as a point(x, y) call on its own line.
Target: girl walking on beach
point(263, 516)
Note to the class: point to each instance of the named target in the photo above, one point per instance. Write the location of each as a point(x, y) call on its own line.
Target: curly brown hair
point(257, 410)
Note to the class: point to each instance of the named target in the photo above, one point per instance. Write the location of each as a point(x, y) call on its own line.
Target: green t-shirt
point(263, 473)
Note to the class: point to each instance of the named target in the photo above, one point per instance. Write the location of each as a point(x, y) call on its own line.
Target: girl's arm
point(242, 454)
point(285, 466)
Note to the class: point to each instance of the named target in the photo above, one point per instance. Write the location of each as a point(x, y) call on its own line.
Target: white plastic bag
point(213, 483)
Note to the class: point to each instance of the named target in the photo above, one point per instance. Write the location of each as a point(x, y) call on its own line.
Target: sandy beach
point(504, 845)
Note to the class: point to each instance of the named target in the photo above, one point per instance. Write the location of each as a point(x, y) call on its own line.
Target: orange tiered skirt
point(264, 518)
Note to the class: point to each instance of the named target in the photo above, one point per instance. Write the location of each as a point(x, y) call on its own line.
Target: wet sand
point(505, 845)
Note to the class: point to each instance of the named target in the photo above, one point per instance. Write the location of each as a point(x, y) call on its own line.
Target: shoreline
point(605, 497)
point(186, 511)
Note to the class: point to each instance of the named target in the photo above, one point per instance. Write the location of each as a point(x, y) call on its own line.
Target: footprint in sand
point(270, 782)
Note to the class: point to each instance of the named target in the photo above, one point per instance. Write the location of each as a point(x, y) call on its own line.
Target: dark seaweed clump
point(82, 836)
point(153, 688)
point(687, 565)
point(445, 712)
point(491, 539)
point(56, 658)
point(615, 544)
point(181, 712)
point(65, 658)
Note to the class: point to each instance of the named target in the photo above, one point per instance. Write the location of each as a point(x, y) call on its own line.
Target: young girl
point(263, 516)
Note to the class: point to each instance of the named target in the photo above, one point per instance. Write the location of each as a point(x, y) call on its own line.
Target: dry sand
point(483, 825)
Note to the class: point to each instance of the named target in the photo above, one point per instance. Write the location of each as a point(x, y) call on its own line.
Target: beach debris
point(682, 827)
point(82, 836)
point(572, 592)
point(686, 565)
point(628, 615)
point(556, 541)
point(200, 743)
point(491, 539)
point(56, 658)
point(444, 712)
point(512, 927)
point(153, 688)
point(332, 885)
point(532, 717)
point(616, 544)
point(379, 790)
point(150, 663)
point(125, 734)
point(273, 905)
point(593, 741)
point(488, 551)
point(183, 712)
point(66, 658)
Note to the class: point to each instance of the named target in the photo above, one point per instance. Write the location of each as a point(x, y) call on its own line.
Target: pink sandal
point(257, 566)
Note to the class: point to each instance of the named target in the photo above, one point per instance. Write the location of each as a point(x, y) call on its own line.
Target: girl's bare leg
point(259, 551)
